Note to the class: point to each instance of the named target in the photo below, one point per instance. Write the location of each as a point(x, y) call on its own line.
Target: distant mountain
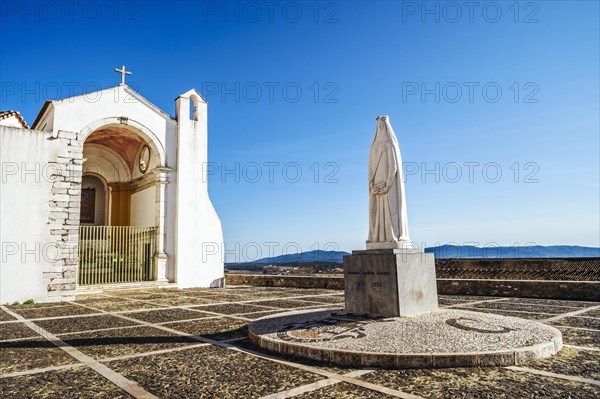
point(305, 257)
point(534, 251)
point(444, 252)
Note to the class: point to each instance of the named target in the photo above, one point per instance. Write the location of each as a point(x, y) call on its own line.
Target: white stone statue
point(388, 224)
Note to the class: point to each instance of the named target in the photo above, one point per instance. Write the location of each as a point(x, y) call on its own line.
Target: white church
point(103, 191)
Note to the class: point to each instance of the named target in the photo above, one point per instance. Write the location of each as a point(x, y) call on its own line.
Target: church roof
point(8, 114)
point(129, 91)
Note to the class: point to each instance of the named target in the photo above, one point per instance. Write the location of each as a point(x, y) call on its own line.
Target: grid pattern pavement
point(192, 344)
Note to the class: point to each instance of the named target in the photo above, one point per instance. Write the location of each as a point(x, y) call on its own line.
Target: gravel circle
point(434, 332)
point(439, 339)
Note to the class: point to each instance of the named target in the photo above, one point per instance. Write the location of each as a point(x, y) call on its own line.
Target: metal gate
point(116, 254)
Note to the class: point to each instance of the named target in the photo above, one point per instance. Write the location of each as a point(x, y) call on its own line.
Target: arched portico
point(129, 245)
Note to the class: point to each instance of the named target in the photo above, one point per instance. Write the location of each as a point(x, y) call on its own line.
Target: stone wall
point(565, 290)
point(40, 199)
point(560, 269)
point(63, 218)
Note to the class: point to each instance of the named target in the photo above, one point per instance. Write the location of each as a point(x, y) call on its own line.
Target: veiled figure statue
point(388, 224)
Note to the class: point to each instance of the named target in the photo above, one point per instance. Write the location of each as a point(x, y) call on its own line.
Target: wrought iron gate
point(116, 254)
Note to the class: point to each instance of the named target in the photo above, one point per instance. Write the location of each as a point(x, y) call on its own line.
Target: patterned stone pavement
point(191, 344)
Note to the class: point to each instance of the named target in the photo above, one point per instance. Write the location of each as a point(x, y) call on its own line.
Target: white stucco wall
point(143, 205)
point(25, 191)
point(199, 237)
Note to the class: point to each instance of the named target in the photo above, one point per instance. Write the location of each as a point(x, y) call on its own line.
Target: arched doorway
point(122, 207)
point(93, 209)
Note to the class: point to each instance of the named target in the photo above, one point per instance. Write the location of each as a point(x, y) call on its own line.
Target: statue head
point(384, 132)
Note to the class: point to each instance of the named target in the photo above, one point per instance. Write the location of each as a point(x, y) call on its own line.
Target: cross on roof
point(123, 72)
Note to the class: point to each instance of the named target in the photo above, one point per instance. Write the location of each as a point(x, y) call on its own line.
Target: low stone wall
point(543, 289)
point(565, 290)
point(558, 269)
point(265, 280)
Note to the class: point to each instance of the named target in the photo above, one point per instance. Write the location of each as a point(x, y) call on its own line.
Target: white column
point(161, 258)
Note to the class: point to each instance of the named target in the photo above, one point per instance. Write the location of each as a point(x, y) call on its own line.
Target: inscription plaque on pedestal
point(390, 283)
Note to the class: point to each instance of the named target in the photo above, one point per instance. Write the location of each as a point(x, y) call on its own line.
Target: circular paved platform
point(444, 338)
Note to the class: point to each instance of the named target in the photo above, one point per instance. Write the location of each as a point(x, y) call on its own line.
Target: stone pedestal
point(390, 282)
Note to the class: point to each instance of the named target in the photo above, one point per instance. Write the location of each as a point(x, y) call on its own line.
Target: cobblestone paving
point(191, 344)
point(588, 338)
point(79, 383)
point(343, 391)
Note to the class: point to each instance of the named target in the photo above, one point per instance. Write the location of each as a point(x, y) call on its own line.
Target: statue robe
point(387, 204)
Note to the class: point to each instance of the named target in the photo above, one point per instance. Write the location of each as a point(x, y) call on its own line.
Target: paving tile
point(471, 298)
point(148, 296)
point(208, 291)
point(311, 291)
point(534, 308)
point(225, 298)
point(217, 329)
point(451, 302)
point(30, 354)
point(75, 324)
point(343, 391)
point(5, 316)
point(127, 341)
point(287, 304)
point(258, 315)
point(592, 313)
point(194, 293)
point(78, 383)
point(327, 299)
point(37, 305)
point(332, 368)
point(118, 304)
point(53, 311)
point(267, 295)
point(528, 316)
point(130, 293)
point(497, 383)
point(581, 322)
point(233, 308)
point(167, 315)
point(570, 361)
point(211, 372)
point(585, 338)
point(574, 304)
point(181, 301)
point(15, 331)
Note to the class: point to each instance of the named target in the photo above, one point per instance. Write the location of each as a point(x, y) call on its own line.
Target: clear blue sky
point(352, 61)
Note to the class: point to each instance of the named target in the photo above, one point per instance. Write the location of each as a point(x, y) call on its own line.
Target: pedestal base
point(390, 283)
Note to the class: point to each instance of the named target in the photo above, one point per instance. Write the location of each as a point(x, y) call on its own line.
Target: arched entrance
point(93, 209)
point(122, 207)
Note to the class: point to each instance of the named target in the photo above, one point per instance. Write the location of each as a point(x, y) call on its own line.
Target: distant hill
point(443, 252)
point(317, 256)
point(534, 251)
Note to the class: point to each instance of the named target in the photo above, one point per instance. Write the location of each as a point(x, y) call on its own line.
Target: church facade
point(107, 190)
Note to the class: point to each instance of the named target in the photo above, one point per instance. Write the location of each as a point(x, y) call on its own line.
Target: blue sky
point(496, 89)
